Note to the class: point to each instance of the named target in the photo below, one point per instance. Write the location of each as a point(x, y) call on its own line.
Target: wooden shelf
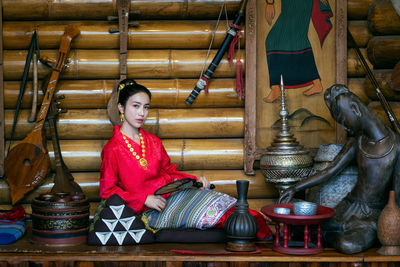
point(23, 251)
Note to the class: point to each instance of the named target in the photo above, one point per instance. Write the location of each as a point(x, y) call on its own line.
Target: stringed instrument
point(388, 110)
point(180, 185)
point(28, 162)
point(63, 179)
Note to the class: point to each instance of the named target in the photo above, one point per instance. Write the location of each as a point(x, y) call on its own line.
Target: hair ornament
point(127, 82)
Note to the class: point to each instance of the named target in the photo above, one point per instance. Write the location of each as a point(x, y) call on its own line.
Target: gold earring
point(122, 117)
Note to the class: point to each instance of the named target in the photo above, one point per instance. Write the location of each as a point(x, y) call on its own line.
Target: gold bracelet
point(268, 3)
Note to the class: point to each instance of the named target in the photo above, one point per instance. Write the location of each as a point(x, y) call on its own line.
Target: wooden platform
point(24, 253)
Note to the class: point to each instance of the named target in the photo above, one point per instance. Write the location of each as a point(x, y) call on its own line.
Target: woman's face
point(136, 110)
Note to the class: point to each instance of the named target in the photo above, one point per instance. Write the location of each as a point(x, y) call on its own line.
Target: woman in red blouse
point(135, 163)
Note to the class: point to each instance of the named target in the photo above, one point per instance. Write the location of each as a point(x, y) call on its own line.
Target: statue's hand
point(287, 195)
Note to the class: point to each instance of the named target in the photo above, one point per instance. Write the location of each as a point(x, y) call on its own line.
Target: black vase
point(241, 227)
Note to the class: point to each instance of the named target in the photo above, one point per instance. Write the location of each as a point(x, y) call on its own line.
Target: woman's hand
point(270, 13)
point(155, 202)
point(204, 181)
point(287, 195)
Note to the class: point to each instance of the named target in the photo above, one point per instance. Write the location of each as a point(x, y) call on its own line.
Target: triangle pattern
point(127, 222)
point(110, 223)
point(107, 213)
point(103, 237)
point(117, 224)
point(137, 234)
point(127, 212)
point(119, 227)
point(117, 210)
point(101, 226)
point(120, 236)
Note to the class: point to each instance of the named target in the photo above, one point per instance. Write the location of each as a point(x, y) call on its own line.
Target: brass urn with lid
point(285, 161)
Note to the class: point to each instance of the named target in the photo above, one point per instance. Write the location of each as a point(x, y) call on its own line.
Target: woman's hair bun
point(126, 82)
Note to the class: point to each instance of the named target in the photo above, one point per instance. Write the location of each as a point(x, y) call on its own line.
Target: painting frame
point(252, 152)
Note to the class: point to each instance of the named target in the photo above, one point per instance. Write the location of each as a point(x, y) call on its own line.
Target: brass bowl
point(304, 208)
point(282, 211)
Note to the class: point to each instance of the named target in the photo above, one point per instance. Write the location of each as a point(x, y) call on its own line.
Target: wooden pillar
point(341, 56)
point(251, 87)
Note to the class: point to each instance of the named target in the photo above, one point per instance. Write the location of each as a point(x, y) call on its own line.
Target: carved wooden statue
point(376, 149)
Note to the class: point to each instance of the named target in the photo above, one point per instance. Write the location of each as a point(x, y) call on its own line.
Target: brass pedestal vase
point(388, 227)
point(286, 161)
point(241, 227)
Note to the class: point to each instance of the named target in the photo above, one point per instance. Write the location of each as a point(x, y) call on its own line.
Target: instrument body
point(28, 163)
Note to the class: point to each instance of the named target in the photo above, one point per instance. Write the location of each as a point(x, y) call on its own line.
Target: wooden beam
point(251, 87)
point(341, 55)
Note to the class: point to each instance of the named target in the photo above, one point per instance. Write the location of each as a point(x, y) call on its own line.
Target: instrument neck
point(42, 115)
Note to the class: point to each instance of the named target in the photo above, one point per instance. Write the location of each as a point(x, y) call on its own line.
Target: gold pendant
point(143, 163)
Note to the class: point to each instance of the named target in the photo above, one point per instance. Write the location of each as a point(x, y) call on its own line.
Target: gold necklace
point(142, 160)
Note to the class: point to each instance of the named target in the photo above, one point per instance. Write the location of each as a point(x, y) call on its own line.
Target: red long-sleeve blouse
point(121, 173)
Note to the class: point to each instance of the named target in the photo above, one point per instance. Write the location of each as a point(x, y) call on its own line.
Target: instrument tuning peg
point(67, 63)
point(48, 62)
point(112, 18)
point(61, 110)
point(113, 30)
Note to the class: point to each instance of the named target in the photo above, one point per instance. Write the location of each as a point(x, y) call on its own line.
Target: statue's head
point(345, 107)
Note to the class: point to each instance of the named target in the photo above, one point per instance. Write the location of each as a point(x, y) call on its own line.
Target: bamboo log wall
point(383, 19)
point(95, 34)
point(165, 55)
point(358, 9)
point(95, 10)
point(383, 53)
point(187, 154)
point(376, 31)
point(164, 123)
point(169, 93)
point(100, 64)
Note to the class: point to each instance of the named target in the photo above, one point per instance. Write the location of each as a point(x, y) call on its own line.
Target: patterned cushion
point(116, 224)
point(191, 208)
point(12, 225)
point(11, 232)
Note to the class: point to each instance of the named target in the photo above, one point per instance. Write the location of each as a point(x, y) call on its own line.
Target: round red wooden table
point(323, 213)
